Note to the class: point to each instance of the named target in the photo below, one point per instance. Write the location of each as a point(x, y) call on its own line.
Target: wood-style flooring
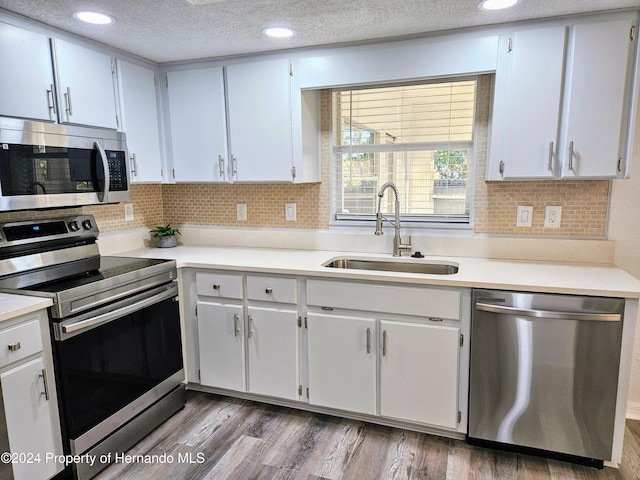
point(228, 438)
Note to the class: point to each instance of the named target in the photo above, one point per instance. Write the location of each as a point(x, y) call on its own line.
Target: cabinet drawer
point(419, 301)
point(19, 342)
point(219, 285)
point(272, 289)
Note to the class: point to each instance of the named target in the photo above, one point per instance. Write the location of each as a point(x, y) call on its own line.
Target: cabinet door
point(342, 362)
point(525, 128)
point(86, 93)
point(198, 125)
point(140, 121)
point(419, 373)
point(221, 346)
point(598, 69)
point(28, 417)
point(272, 352)
point(259, 103)
point(26, 86)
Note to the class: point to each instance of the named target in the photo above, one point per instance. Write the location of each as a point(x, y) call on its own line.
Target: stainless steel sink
point(393, 266)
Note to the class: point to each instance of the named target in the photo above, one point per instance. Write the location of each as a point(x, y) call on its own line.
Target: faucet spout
point(398, 246)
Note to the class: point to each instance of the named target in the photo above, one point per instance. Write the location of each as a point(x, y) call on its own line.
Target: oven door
point(113, 364)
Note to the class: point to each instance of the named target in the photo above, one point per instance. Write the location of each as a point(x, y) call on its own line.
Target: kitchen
point(604, 235)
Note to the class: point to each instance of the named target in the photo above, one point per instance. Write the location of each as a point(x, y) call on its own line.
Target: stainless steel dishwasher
point(544, 373)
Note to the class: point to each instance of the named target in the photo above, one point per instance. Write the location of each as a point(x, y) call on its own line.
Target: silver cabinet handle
point(236, 325)
point(250, 327)
point(51, 101)
point(45, 383)
point(13, 347)
point(234, 166)
point(547, 314)
point(571, 156)
point(134, 167)
point(368, 340)
point(216, 287)
point(221, 166)
point(268, 291)
point(67, 98)
point(550, 166)
point(384, 343)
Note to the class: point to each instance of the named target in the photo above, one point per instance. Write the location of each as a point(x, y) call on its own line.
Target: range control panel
point(32, 231)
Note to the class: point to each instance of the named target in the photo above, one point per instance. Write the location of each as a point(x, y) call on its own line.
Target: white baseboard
point(633, 410)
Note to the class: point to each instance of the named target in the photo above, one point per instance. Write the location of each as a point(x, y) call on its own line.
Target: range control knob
point(73, 226)
point(87, 225)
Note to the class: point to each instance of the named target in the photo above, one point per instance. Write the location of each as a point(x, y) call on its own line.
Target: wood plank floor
point(229, 438)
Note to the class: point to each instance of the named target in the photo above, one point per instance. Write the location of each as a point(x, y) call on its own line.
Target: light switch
point(525, 216)
point(290, 212)
point(241, 212)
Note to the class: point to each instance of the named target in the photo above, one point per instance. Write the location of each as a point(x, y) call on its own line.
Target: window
point(418, 136)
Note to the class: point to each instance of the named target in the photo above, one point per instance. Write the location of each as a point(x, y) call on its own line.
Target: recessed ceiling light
point(497, 4)
point(279, 32)
point(94, 18)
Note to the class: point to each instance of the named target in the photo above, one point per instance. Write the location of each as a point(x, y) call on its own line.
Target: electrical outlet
point(128, 212)
point(552, 217)
point(290, 212)
point(525, 216)
point(241, 212)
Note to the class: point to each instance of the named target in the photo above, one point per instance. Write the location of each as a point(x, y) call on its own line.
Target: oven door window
point(102, 370)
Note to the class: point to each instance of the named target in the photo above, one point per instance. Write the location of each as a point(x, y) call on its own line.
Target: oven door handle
point(98, 320)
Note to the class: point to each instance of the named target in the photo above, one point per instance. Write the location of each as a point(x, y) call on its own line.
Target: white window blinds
point(420, 137)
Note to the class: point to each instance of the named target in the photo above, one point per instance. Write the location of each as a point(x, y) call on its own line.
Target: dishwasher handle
point(548, 314)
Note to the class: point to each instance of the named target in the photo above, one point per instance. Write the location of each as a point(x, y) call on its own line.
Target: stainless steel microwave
point(47, 165)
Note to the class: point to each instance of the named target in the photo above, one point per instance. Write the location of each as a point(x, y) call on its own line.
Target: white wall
point(624, 228)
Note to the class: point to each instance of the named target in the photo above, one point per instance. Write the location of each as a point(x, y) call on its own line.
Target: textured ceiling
point(173, 30)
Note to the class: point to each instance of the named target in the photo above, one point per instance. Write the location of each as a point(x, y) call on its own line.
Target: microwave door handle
point(105, 166)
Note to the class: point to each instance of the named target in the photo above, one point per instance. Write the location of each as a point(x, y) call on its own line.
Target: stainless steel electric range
point(115, 333)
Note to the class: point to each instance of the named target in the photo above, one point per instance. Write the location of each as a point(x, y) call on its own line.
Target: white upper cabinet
point(85, 80)
point(599, 66)
point(259, 111)
point(27, 86)
point(562, 101)
point(198, 125)
point(140, 121)
point(526, 119)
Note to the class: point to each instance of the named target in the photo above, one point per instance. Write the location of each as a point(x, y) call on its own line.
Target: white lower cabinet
point(342, 362)
point(221, 345)
point(272, 344)
point(28, 405)
point(244, 344)
point(396, 354)
point(28, 419)
point(419, 373)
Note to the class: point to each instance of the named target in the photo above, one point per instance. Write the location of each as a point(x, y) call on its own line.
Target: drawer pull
point(268, 291)
point(14, 346)
point(216, 287)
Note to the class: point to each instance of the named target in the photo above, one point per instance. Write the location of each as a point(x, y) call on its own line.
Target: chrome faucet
point(398, 246)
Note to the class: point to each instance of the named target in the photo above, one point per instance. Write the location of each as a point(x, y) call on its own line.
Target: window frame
point(462, 222)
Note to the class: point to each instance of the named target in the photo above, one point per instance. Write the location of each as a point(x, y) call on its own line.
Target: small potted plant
point(165, 236)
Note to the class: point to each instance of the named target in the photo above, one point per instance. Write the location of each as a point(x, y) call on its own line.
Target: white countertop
point(579, 279)
point(12, 306)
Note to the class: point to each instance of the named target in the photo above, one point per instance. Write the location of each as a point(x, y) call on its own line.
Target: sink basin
point(393, 266)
